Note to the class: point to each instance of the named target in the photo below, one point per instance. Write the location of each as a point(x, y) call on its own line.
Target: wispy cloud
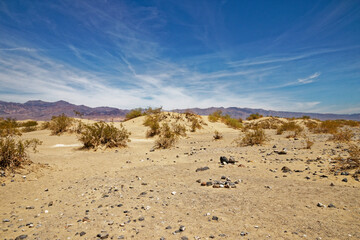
point(19, 49)
point(309, 79)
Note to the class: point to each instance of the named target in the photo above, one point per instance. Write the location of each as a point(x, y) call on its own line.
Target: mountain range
point(40, 110)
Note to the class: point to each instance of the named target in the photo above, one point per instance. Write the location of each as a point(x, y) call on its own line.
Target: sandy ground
point(134, 193)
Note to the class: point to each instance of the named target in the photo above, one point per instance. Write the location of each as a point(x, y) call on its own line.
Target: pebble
point(345, 180)
point(215, 218)
point(320, 205)
point(331, 205)
point(103, 235)
point(202, 169)
point(173, 193)
point(21, 237)
point(82, 234)
point(6, 220)
point(184, 238)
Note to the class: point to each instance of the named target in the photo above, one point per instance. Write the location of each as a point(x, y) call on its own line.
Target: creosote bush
point(254, 116)
point(103, 134)
point(217, 135)
point(215, 116)
point(152, 121)
point(179, 129)
point(328, 126)
point(351, 162)
point(252, 137)
point(14, 151)
point(9, 127)
point(167, 138)
point(60, 124)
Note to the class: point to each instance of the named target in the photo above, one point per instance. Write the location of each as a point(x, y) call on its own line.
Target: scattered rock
point(21, 237)
point(320, 205)
point(82, 234)
point(285, 169)
point(345, 180)
point(103, 235)
point(202, 169)
point(331, 205)
point(215, 218)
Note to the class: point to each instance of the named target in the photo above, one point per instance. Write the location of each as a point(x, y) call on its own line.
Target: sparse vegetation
point(103, 134)
point(328, 126)
point(268, 123)
point(226, 119)
point(308, 143)
point(254, 116)
point(152, 121)
point(252, 137)
point(45, 125)
point(179, 129)
point(60, 124)
point(290, 126)
point(29, 126)
point(342, 136)
point(9, 127)
point(217, 135)
point(351, 162)
point(137, 112)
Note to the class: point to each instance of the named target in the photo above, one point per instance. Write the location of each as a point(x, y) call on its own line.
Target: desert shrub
point(231, 122)
point(217, 135)
point(103, 134)
point(9, 127)
point(252, 137)
point(137, 112)
point(311, 125)
point(29, 124)
point(215, 116)
point(195, 124)
point(60, 124)
point(305, 117)
point(350, 123)
point(289, 126)
point(254, 116)
point(152, 121)
point(45, 125)
point(28, 129)
point(270, 123)
point(342, 136)
point(14, 152)
point(77, 126)
point(351, 162)
point(150, 110)
point(167, 138)
point(328, 126)
point(179, 129)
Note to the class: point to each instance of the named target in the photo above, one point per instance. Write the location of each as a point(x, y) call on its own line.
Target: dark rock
point(162, 238)
point(141, 219)
point(344, 180)
point(30, 207)
point(320, 205)
point(103, 235)
point(285, 169)
point(82, 234)
point(121, 237)
point(202, 169)
point(50, 203)
point(345, 173)
point(182, 228)
point(209, 183)
point(331, 205)
point(21, 237)
point(2, 174)
point(168, 227)
point(215, 218)
point(232, 160)
point(6, 220)
point(224, 160)
point(184, 238)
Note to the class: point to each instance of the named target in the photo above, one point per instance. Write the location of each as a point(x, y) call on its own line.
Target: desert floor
point(135, 193)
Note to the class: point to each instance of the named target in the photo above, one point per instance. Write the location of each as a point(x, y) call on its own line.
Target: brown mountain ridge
point(41, 110)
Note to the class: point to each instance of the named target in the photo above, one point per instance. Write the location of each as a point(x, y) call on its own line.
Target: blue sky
point(279, 55)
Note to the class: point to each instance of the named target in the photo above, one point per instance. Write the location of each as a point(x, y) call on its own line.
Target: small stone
point(50, 203)
point(224, 160)
point(182, 228)
point(173, 193)
point(141, 219)
point(168, 227)
point(6, 220)
point(332, 184)
point(331, 205)
point(121, 237)
point(82, 234)
point(103, 235)
point(320, 205)
point(215, 218)
point(184, 238)
point(203, 184)
point(344, 180)
point(345, 173)
point(202, 169)
point(30, 207)
point(243, 234)
point(285, 169)
point(162, 238)
point(209, 183)
point(21, 237)
point(198, 181)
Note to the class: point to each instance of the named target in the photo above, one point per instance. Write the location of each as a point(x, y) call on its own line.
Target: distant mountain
point(40, 110)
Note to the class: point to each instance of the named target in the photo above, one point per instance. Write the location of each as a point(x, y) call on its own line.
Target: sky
point(284, 55)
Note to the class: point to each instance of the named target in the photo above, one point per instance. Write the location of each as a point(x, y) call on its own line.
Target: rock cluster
point(224, 182)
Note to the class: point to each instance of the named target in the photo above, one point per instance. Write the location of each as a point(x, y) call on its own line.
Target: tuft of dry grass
point(252, 137)
point(217, 135)
point(351, 162)
point(254, 116)
point(328, 126)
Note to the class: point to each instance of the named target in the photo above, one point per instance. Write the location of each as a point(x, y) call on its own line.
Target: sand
point(141, 194)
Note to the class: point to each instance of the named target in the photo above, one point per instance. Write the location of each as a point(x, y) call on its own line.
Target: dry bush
point(77, 126)
point(195, 124)
point(217, 135)
point(353, 161)
point(215, 116)
point(45, 125)
point(311, 125)
point(254, 116)
point(231, 122)
point(252, 137)
point(342, 136)
point(60, 124)
point(167, 138)
point(9, 127)
point(290, 126)
point(153, 122)
point(105, 135)
point(137, 112)
point(150, 111)
point(14, 152)
point(270, 123)
point(328, 126)
point(179, 129)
